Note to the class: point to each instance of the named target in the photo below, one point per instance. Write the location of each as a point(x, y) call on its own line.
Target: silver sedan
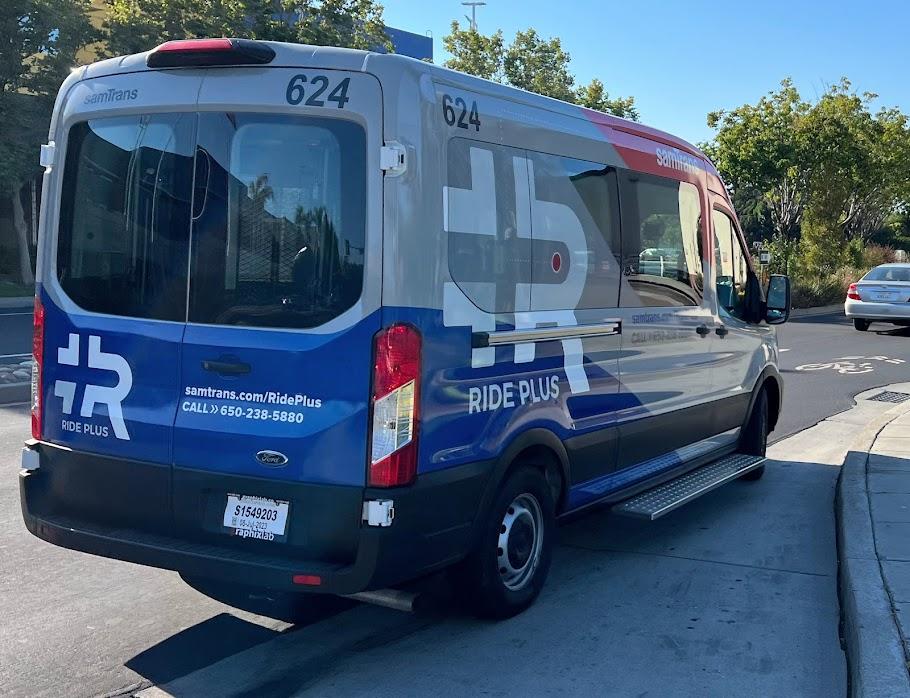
point(882, 295)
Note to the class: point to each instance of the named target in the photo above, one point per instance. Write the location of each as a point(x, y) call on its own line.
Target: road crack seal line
point(575, 546)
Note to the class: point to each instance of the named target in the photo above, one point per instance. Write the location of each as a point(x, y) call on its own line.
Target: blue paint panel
point(306, 396)
point(451, 434)
point(152, 351)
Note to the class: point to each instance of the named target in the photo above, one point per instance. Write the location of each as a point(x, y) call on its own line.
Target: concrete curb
point(876, 661)
point(812, 312)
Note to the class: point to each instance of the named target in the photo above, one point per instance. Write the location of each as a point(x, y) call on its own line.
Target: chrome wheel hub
point(520, 542)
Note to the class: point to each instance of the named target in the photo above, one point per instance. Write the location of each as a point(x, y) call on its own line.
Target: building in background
point(410, 44)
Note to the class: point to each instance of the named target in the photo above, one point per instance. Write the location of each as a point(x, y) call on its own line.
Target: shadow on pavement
point(198, 646)
point(891, 331)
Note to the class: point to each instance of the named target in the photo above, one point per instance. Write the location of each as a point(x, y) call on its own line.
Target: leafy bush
point(874, 254)
point(827, 289)
point(824, 290)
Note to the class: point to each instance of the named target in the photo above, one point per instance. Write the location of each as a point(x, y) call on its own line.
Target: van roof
point(287, 54)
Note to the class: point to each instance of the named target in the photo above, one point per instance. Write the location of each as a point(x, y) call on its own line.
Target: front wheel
point(507, 570)
point(860, 324)
point(754, 438)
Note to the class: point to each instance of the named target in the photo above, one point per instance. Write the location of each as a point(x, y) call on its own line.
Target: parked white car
point(882, 295)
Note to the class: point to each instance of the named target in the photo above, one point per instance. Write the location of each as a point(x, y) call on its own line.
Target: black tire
point(860, 324)
point(754, 438)
point(490, 591)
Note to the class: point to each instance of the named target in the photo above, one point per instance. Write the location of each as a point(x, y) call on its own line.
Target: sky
point(681, 60)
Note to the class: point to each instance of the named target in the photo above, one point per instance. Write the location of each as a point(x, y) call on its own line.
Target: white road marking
point(849, 364)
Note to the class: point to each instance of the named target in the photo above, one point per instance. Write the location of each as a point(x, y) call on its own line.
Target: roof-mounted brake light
point(208, 52)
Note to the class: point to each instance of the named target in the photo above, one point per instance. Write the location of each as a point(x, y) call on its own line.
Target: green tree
point(138, 25)
point(761, 152)
point(474, 53)
point(594, 96)
point(41, 40)
point(531, 63)
point(860, 161)
point(539, 65)
point(829, 173)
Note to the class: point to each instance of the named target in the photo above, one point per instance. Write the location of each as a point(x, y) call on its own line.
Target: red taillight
point(852, 293)
point(310, 580)
point(38, 359)
point(207, 52)
point(196, 45)
point(396, 390)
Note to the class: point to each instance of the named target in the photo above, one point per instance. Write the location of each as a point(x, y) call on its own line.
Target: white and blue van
point(322, 320)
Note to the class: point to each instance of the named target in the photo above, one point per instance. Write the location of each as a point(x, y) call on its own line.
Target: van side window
point(530, 231)
point(278, 240)
point(488, 233)
point(575, 223)
point(661, 238)
point(124, 231)
point(732, 265)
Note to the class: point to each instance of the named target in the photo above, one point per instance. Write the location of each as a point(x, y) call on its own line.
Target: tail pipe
point(396, 599)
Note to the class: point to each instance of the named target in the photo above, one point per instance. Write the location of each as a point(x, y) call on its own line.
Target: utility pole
point(474, 4)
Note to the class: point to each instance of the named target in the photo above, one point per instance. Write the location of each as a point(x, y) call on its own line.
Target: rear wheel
point(754, 438)
point(507, 570)
point(860, 324)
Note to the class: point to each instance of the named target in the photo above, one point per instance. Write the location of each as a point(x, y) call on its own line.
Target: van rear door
point(284, 280)
point(113, 278)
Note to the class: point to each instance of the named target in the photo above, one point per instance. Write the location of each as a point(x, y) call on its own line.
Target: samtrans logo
point(111, 95)
point(94, 394)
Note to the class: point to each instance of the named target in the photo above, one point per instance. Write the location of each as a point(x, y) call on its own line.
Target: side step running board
point(660, 500)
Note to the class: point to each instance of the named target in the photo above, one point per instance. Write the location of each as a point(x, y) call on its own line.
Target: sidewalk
point(873, 518)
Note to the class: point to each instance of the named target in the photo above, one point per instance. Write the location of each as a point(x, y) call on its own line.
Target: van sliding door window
point(279, 220)
point(661, 237)
point(529, 231)
point(575, 224)
point(125, 215)
point(488, 224)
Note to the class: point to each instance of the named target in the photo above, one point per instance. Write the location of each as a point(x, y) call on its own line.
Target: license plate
point(255, 517)
point(885, 296)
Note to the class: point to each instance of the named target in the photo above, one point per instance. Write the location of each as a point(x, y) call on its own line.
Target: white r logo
point(112, 397)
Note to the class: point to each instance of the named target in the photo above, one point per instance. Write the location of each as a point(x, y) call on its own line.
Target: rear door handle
point(226, 368)
point(703, 330)
point(721, 331)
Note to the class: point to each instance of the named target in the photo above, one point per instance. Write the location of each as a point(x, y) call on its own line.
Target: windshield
point(221, 218)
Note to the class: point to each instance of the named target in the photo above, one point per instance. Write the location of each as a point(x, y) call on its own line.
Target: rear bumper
point(886, 312)
point(170, 518)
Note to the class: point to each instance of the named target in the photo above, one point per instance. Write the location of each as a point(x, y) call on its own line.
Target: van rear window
point(279, 239)
point(216, 218)
point(123, 246)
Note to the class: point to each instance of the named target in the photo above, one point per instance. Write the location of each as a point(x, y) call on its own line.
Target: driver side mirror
point(777, 306)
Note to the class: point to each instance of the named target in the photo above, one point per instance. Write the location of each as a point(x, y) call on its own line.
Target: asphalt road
point(879, 356)
point(734, 594)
